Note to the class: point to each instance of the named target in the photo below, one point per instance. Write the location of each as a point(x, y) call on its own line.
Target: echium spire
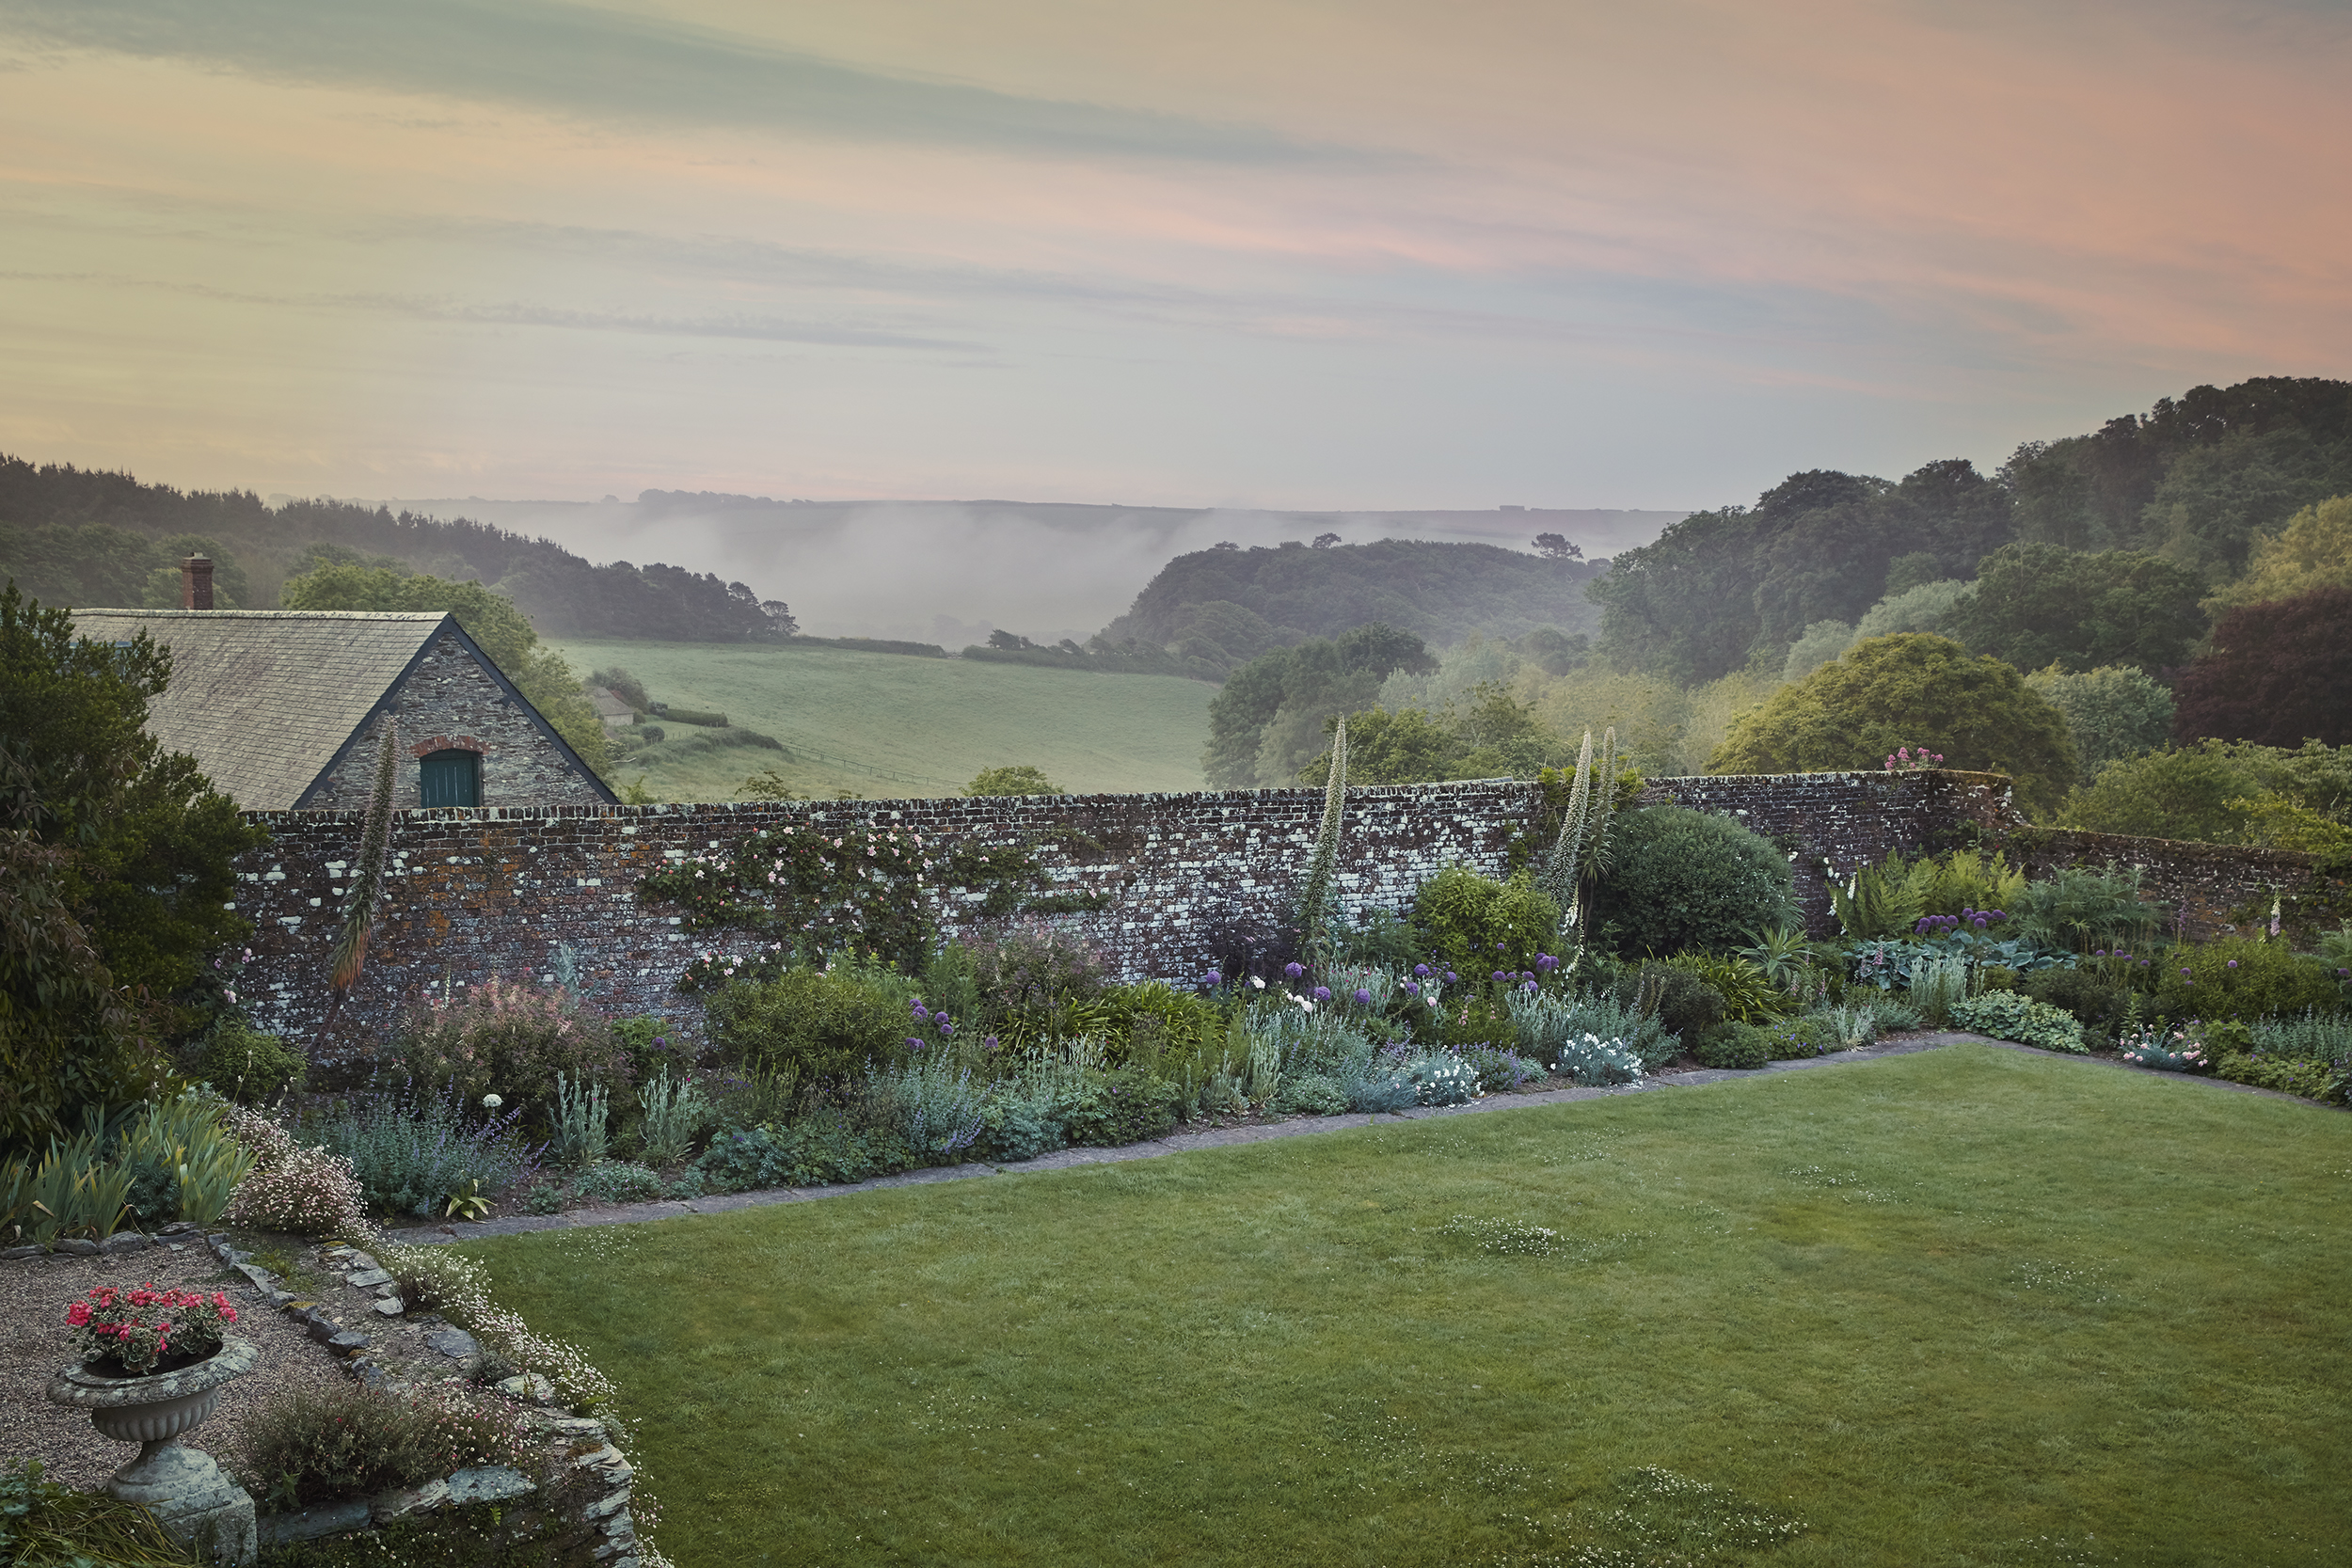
point(1314, 904)
point(367, 879)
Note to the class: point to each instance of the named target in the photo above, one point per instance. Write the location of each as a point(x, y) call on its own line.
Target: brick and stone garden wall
point(489, 891)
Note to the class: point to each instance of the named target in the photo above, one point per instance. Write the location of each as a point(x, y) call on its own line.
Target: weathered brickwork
point(450, 703)
point(474, 894)
point(2203, 887)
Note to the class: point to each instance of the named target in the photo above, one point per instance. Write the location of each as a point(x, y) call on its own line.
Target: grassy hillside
point(882, 724)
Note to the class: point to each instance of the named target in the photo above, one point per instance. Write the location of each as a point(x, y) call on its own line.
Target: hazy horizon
point(1294, 253)
point(950, 572)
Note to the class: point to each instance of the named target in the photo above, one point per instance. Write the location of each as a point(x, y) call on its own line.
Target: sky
point(1280, 253)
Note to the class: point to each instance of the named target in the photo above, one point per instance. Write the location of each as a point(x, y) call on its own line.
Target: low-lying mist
point(948, 572)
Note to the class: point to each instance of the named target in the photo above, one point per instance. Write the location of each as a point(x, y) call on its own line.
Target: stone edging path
point(1220, 1137)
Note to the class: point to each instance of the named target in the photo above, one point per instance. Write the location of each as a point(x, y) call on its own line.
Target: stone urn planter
point(183, 1487)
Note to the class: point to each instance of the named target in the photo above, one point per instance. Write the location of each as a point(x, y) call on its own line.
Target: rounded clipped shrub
point(1740, 1046)
point(246, 1064)
point(1685, 879)
point(826, 1024)
point(1478, 925)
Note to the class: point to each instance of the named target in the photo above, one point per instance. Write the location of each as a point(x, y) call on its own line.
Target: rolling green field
point(885, 724)
point(1967, 1306)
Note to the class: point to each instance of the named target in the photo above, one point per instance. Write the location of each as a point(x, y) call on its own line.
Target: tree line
point(84, 537)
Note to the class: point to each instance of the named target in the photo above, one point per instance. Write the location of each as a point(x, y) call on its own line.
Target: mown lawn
point(888, 725)
point(1966, 1307)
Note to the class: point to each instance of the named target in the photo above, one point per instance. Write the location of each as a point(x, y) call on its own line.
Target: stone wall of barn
point(1184, 878)
point(448, 701)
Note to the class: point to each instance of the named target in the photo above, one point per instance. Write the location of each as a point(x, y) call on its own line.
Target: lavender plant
point(410, 1149)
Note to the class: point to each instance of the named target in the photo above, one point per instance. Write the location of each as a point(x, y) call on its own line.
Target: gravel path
point(1179, 1143)
point(35, 1345)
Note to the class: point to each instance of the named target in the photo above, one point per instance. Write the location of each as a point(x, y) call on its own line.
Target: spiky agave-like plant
point(1582, 850)
point(367, 880)
point(1314, 904)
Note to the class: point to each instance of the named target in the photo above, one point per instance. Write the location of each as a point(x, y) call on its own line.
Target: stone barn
point(283, 710)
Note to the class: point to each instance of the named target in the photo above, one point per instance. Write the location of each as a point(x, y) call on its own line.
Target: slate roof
point(263, 699)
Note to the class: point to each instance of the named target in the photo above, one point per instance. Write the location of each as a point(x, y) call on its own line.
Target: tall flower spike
point(1314, 911)
point(351, 945)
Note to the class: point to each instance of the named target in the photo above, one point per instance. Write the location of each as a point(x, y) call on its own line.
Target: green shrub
point(1038, 986)
point(617, 1182)
point(1146, 1023)
point(2243, 978)
point(2310, 1079)
point(507, 1039)
point(246, 1064)
point(1740, 1046)
point(1478, 925)
point(818, 1152)
point(1122, 1108)
point(1684, 1002)
point(183, 1162)
point(1686, 881)
point(2080, 909)
point(823, 1025)
point(2007, 1015)
point(1312, 1094)
point(2321, 1037)
point(321, 1443)
point(1749, 996)
point(2092, 996)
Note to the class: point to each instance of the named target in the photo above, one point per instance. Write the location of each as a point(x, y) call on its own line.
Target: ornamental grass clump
point(325, 1443)
point(43, 1523)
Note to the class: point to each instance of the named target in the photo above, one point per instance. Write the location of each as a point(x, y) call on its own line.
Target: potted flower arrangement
point(135, 1332)
point(153, 1365)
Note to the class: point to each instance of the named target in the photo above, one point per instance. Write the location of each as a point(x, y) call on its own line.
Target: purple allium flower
point(1421, 972)
point(1322, 993)
point(920, 1016)
point(946, 1027)
point(1528, 985)
point(914, 1044)
point(2232, 963)
point(1412, 988)
point(1450, 976)
point(1545, 962)
point(1363, 997)
point(1212, 978)
point(1498, 974)
point(1294, 970)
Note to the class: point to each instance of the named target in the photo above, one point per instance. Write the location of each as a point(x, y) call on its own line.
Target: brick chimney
point(196, 583)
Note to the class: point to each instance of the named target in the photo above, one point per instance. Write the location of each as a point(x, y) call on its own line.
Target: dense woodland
point(80, 538)
point(2158, 611)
